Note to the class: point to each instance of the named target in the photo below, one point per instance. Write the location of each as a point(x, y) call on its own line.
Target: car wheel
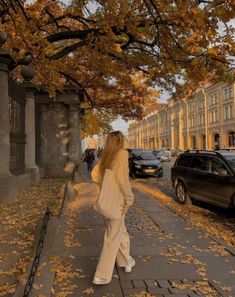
point(182, 193)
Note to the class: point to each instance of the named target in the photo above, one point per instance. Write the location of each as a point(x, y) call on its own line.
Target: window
point(201, 118)
point(231, 139)
point(191, 107)
point(201, 104)
point(228, 93)
point(213, 116)
point(184, 161)
point(200, 163)
point(213, 99)
point(231, 160)
point(228, 112)
point(191, 122)
point(218, 167)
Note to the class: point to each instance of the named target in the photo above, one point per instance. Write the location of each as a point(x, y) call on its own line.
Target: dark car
point(145, 164)
point(205, 175)
point(132, 151)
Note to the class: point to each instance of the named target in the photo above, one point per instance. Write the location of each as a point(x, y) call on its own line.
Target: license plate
point(149, 170)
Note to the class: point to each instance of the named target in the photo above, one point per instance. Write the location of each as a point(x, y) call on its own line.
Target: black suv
point(205, 175)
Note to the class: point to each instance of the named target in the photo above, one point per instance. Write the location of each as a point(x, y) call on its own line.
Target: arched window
point(217, 141)
point(194, 143)
point(231, 139)
point(203, 141)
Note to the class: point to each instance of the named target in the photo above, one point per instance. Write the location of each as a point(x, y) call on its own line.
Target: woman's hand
point(125, 208)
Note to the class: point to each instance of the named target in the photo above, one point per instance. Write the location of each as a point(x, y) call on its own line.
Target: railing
point(17, 126)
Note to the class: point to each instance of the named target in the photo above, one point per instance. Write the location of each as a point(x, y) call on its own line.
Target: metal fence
point(17, 127)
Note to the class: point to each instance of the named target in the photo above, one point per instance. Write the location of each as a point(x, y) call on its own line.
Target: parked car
point(144, 164)
point(132, 151)
point(205, 175)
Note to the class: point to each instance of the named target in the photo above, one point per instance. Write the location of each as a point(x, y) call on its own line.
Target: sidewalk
point(173, 259)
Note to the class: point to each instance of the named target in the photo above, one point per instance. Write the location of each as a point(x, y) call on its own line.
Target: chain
point(36, 260)
point(46, 218)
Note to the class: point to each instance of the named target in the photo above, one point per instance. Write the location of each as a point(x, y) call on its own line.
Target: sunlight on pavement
point(198, 217)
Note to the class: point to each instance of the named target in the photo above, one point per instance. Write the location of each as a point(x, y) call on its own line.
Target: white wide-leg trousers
point(116, 246)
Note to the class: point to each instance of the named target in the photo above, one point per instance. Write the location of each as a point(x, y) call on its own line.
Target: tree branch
point(67, 50)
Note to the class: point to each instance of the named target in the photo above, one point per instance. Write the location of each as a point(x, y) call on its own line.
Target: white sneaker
point(129, 267)
point(100, 281)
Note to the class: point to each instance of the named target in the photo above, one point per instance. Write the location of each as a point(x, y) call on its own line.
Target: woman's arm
point(122, 174)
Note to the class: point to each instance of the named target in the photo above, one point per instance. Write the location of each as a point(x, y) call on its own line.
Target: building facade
point(206, 120)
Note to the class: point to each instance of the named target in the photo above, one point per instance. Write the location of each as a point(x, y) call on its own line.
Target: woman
point(116, 245)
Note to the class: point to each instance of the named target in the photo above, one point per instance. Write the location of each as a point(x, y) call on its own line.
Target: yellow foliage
point(102, 51)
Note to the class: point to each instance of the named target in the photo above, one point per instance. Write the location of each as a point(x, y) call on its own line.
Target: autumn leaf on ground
point(88, 291)
point(226, 289)
point(37, 286)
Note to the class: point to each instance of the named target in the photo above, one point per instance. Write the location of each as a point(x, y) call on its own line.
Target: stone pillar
point(181, 115)
point(172, 132)
point(43, 151)
point(8, 186)
point(74, 145)
point(53, 148)
point(30, 147)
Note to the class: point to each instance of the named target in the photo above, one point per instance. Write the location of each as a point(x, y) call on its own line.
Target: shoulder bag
point(110, 200)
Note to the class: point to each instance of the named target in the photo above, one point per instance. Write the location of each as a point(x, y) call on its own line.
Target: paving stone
point(126, 284)
point(175, 281)
point(164, 284)
point(187, 282)
point(131, 292)
point(158, 291)
point(151, 283)
point(180, 291)
point(138, 284)
point(159, 268)
point(218, 267)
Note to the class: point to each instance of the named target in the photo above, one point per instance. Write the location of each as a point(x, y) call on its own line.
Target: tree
point(96, 123)
point(117, 53)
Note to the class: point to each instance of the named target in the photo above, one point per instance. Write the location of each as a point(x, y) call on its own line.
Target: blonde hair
point(114, 142)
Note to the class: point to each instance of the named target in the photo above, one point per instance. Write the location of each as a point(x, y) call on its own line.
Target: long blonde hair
point(114, 142)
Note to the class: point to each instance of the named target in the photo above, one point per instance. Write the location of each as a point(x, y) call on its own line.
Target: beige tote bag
point(110, 201)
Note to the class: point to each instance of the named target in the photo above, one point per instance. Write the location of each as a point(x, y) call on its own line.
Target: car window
point(200, 163)
point(231, 161)
point(218, 167)
point(145, 156)
point(184, 161)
